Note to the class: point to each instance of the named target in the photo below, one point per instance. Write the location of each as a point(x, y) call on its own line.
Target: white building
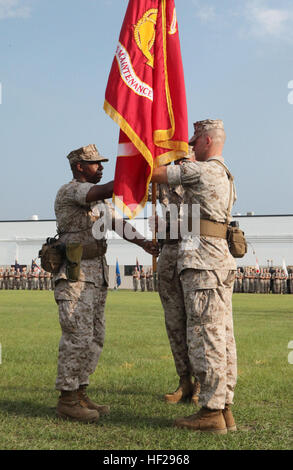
point(270, 241)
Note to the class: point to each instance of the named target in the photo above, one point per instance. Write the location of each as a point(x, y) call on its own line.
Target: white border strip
point(127, 150)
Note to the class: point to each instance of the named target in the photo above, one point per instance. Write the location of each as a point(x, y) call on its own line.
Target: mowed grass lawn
point(135, 370)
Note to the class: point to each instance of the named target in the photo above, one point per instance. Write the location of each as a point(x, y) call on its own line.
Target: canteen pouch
point(73, 259)
point(236, 241)
point(52, 255)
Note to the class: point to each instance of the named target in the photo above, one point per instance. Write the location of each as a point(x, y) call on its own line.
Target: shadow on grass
point(26, 409)
point(119, 417)
point(127, 392)
point(135, 421)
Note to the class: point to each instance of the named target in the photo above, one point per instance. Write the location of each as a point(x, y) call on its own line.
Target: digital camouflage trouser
point(210, 335)
point(199, 323)
point(81, 315)
point(171, 294)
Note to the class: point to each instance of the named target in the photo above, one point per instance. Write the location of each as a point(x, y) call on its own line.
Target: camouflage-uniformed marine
point(151, 280)
point(23, 279)
point(246, 281)
point(171, 295)
point(240, 281)
point(236, 283)
point(291, 282)
point(81, 304)
point(142, 280)
point(35, 279)
point(207, 272)
point(135, 279)
point(6, 279)
point(147, 281)
point(265, 281)
point(81, 293)
point(256, 282)
point(277, 281)
point(273, 281)
point(47, 281)
point(283, 282)
point(1, 278)
point(268, 281)
point(29, 279)
point(11, 277)
point(265, 287)
point(251, 281)
point(262, 281)
point(17, 277)
point(42, 279)
point(268, 277)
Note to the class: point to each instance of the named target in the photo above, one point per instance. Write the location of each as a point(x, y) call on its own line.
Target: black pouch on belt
point(73, 259)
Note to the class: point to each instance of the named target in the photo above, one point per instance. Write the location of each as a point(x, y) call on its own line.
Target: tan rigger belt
point(208, 228)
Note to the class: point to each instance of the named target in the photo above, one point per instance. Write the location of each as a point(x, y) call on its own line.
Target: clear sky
point(55, 58)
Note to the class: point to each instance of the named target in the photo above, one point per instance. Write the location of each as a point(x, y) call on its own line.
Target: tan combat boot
point(183, 392)
point(204, 421)
point(230, 423)
point(85, 401)
point(69, 408)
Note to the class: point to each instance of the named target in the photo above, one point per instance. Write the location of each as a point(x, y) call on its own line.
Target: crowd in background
point(263, 281)
point(23, 278)
point(248, 280)
point(143, 280)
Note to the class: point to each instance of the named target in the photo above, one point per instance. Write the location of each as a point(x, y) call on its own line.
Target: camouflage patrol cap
point(89, 153)
point(201, 127)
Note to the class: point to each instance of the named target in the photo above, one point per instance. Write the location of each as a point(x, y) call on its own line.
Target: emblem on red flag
point(145, 33)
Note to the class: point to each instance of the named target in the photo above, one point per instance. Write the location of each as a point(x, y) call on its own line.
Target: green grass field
point(135, 370)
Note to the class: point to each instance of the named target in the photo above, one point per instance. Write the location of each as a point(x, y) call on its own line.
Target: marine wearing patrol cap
point(89, 153)
point(202, 127)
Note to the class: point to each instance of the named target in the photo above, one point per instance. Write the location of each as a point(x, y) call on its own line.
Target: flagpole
point(154, 214)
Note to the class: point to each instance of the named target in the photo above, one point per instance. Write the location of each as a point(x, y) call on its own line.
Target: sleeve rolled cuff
point(174, 175)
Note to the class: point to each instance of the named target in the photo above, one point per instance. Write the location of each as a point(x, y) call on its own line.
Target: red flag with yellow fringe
point(146, 97)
